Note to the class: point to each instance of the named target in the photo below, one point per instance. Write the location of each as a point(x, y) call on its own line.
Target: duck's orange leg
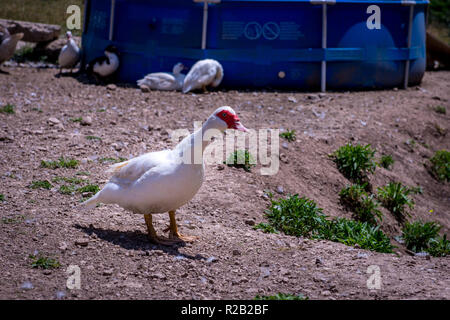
point(174, 234)
point(152, 233)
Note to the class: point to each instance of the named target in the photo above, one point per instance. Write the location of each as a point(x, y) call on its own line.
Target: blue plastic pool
point(306, 45)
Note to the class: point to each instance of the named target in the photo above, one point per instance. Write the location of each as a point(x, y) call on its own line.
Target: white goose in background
point(163, 181)
point(203, 73)
point(165, 80)
point(69, 55)
point(105, 66)
point(8, 45)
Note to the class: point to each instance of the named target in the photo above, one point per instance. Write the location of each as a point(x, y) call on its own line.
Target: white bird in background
point(203, 73)
point(8, 45)
point(105, 66)
point(163, 181)
point(69, 55)
point(165, 80)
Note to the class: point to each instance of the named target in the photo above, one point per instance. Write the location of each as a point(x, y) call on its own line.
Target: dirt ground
point(230, 260)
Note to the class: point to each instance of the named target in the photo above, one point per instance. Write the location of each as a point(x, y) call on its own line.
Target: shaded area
point(135, 240)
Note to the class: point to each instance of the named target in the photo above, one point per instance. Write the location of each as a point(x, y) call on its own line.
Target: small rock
point(280, 190)
point(220, 167)
point(111, 87)
point(144, 88)
point(284, 158)
point(159, 275)
point(53, 121)
point(60, 294)
point(27, 285)
point(325, 293)
point(82, 242)
point(86, 121)
point(250, 222)
point(108, 272)
point(236, 252)
point(292, 99)
point(319, 262)
point(362, 255)
point(47, 272)
point(211, 260)
point(285, 145)
point(116, 146)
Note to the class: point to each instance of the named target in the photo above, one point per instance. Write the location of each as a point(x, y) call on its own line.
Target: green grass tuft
point(61, 163)
point(40, 184)
point(8, 108)
point(424, 236)
point(267, 228)
point(394, 197)
point(44, 262)
point(364, 207)
point(289, 135)
point(2, 197)
point(386, 161)
point(89, 188)
point(93, 138)
point(282, 296)
point(13, 220)
point(302, 218)
point(355, 161)
point(112, 160)
point(440, 165)
point(241, 159)
point(440, 109)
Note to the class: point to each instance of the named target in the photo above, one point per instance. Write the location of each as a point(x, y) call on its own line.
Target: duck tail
point(91, 202)
point(219, 76)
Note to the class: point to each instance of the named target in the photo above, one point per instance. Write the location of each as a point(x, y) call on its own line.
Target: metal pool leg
point(205, 19)
point(323, 75)
point(410, 24)
point(111, 20)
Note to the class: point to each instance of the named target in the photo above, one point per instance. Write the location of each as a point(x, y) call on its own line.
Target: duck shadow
point(136, 240)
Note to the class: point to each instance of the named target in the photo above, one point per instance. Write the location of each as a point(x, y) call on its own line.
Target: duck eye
point(224, 114)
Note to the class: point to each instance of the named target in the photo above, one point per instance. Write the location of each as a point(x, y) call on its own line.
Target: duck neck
point(193, 146)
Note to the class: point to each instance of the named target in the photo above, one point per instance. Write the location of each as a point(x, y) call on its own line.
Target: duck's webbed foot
point(153, 237)
point(174, 234)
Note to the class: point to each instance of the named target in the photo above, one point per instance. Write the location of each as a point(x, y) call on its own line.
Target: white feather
point(203, 73)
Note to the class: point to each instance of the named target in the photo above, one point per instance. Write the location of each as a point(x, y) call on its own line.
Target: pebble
point(292, 99)
point(60, 294)
point(111, 87)
point(236, 252)
point(63, 246)
point(108, 272)
point(53, 121)
point(250, 222)
point(86, 121)
point(280, 190)
point(319, 262)
point(145, 88)
point(82, 242)
point(211, 260)
point(284, 158)
point(325, 293)
point(27, 285)
point(220, 167)
point(159, 275)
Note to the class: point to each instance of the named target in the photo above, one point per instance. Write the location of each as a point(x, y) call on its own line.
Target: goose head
point(178, 68)
point(68, 35)
point(224, 118)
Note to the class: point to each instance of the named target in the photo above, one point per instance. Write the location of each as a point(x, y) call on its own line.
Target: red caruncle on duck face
point(232, 120)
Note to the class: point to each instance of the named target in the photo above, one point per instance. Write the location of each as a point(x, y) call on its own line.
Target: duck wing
point(131, 170)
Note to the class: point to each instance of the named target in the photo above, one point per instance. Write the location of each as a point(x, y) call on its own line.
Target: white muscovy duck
point(69, 54)
point(163, 181)
point(203, 73)
point(105, 66)
point(8, 43)
point(165, 80)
